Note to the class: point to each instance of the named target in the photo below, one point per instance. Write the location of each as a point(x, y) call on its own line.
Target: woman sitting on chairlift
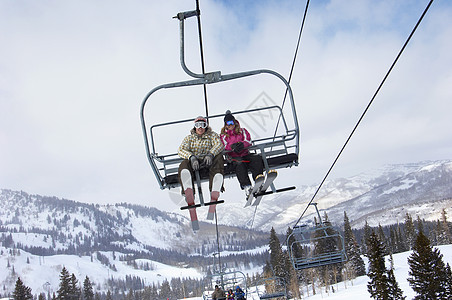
point(236, 141)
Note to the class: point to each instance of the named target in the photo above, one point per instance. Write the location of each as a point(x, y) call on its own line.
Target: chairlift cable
point(290, 78)
point(218, 242)
point(207, 113)
point(293, 62)
point(202, 57)
point(367, 108)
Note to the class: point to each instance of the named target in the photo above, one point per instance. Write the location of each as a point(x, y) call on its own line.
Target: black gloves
point(208, 159)
point(194, 163)
point(237, 147)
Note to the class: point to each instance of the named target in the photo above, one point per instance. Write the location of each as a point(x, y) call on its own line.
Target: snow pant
point(216, 167)
point(250, 162)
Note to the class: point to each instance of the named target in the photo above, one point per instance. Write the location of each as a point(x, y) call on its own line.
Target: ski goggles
point(200, 124)
point(230, 122)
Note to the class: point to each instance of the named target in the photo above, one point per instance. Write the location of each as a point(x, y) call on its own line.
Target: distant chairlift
point(316, 246)
point(274, 287)
point(279, 151)
point(225, 280)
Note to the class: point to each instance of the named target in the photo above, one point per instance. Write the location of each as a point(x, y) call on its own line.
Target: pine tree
point(275, 254)
point(420, 224)
point(448, 280)
point(410, 232)
point(21, 291)
point(395, 292)
point(352, 249)
point(444, 237)
point(366, 237)
point(382, 238)
point(392, 240)
point(64, 290)
point(165, 290)
point(75, 290)
point(279, 260)
point(378, 286)
point(427, 275)
point(88, 289)
point(401, 241)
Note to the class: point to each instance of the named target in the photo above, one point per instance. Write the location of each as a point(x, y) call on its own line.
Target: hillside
point(382, 195)
point(123, 241)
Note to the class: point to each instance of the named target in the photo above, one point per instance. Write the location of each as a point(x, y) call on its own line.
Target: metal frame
point(225, 279)
point(277, 294)
point(203, 79)
point(303, 236)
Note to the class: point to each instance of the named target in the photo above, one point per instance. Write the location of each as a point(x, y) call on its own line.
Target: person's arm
point(223, 139)
point(217, 145)
point(246, 138)
point(184, 148)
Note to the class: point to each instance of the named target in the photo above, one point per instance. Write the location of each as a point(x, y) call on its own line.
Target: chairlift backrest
point(303, 241)
point(278, 288)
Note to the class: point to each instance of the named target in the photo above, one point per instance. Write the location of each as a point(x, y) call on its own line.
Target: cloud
point(73, 75)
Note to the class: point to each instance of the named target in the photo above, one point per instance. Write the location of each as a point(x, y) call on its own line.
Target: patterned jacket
point(193, 144)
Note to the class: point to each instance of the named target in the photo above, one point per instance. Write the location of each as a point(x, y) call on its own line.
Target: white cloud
point(73, 75)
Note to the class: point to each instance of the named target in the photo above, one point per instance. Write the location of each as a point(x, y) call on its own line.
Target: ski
point(257, 185)
point(190, 198)
point(271, 175)
point(212, 205)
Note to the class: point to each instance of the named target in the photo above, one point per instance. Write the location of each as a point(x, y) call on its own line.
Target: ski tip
point(260, 176)
point(195, 225)
point(210, 215)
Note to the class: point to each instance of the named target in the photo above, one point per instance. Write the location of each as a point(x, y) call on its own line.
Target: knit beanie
point(200, 118)
point(228, 116)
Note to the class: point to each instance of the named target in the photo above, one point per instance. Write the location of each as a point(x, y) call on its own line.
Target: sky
point(73, 75)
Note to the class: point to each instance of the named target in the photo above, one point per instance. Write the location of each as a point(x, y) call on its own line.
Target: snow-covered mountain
point(60, 224)
point(382, 196)
point(95, 238)
point(39, 235)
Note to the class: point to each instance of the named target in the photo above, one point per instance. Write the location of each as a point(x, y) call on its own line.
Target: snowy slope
point(357, 288)
point(384, 194)
point(41, 273)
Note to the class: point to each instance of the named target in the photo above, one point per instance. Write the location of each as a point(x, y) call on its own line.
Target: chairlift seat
point(171, 168)
point(272, 295)
point(318, 261)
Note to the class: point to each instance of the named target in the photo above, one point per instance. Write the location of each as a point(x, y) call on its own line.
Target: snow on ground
point(39, 274)
point(357, 289)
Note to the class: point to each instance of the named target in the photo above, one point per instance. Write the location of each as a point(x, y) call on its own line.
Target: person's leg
point(185, 165)
point(217, 167)
point(186, 181)
point(241, 171)
point(255, 165)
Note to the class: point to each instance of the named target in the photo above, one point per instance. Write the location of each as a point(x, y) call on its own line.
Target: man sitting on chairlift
point(201, 151)
point(218, 294)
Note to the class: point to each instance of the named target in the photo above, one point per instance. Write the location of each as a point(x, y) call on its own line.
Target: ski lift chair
point(305, 237)
point(279, 284)
point(226, 280)
point(276, 151)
